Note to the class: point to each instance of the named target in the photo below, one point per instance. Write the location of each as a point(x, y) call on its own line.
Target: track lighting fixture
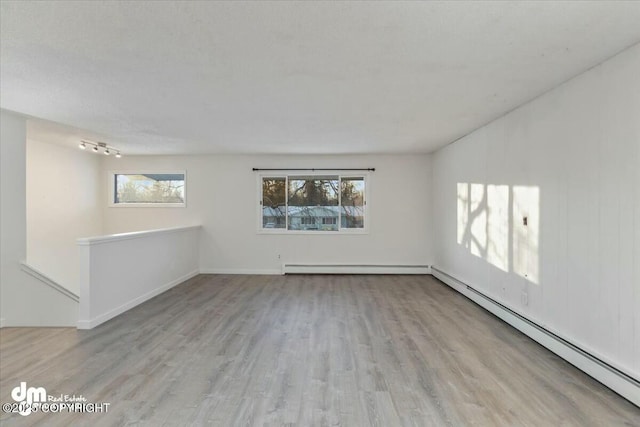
point(98, 146)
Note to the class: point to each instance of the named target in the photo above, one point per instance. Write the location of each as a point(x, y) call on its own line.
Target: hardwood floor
point(306, 351)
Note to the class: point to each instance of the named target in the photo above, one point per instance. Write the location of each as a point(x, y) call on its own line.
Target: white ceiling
point(283, 77)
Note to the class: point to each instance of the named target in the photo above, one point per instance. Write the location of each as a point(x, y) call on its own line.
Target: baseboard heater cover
point(612, 377)
point(354, 269)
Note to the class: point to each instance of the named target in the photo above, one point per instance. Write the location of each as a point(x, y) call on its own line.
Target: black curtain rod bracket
point(315, 169)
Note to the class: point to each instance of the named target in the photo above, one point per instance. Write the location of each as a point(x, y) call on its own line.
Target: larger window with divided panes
point(313, 203)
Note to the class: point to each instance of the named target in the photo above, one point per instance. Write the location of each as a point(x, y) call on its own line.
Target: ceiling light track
point(97, 147)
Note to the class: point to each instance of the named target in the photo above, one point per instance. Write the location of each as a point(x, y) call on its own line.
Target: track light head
point(106, 152)
point(118, 155)
point(95, 148)
point(83, 145)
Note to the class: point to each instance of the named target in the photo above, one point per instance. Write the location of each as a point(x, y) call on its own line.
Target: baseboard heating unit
point(616, 379)
point(354, 269)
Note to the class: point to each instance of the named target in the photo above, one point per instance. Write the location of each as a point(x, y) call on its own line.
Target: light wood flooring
point(306, 351)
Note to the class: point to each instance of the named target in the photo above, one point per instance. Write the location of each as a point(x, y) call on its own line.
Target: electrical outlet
point(278, 256)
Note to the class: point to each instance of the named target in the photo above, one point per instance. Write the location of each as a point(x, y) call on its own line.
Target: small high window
point(149, 189)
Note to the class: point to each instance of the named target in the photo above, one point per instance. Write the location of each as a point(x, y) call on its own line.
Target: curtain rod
point(316, 169)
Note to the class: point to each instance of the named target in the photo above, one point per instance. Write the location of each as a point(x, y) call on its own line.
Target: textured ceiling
point(283, 77)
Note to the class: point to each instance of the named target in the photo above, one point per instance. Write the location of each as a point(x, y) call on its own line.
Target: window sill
point(314, 233)
point(147, 205)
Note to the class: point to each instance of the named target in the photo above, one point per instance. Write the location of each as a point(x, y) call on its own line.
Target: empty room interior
point(320, 213)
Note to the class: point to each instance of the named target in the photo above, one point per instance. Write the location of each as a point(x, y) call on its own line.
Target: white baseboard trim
point(247, 271)
point(616, 380)
point(92, 323)
point(354, 269)
point(1, 322)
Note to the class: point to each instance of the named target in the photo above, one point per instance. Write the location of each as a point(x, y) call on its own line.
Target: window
point(310, 199)
point(313, 203)
point(274, 202)
point(148, 189)
point(352, 201)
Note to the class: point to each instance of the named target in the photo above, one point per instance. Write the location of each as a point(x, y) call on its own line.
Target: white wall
point(222, 196)
point(64, 198)
point(12, 223)
point(121, 271)
point(24, 301)
point(570, 160)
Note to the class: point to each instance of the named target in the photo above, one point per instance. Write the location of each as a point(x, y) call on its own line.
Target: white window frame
point(341, 175)
point(111, 179)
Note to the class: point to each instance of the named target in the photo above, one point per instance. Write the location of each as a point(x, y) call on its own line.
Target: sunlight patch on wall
point(472, 230)
point(501, 224)
point(463, 211)
point(478, 220)
point(498, 226)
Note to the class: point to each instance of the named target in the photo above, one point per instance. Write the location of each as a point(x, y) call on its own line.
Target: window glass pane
point(352, 200)
point(313, 203)
point(149, 188)
point(274, 193)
